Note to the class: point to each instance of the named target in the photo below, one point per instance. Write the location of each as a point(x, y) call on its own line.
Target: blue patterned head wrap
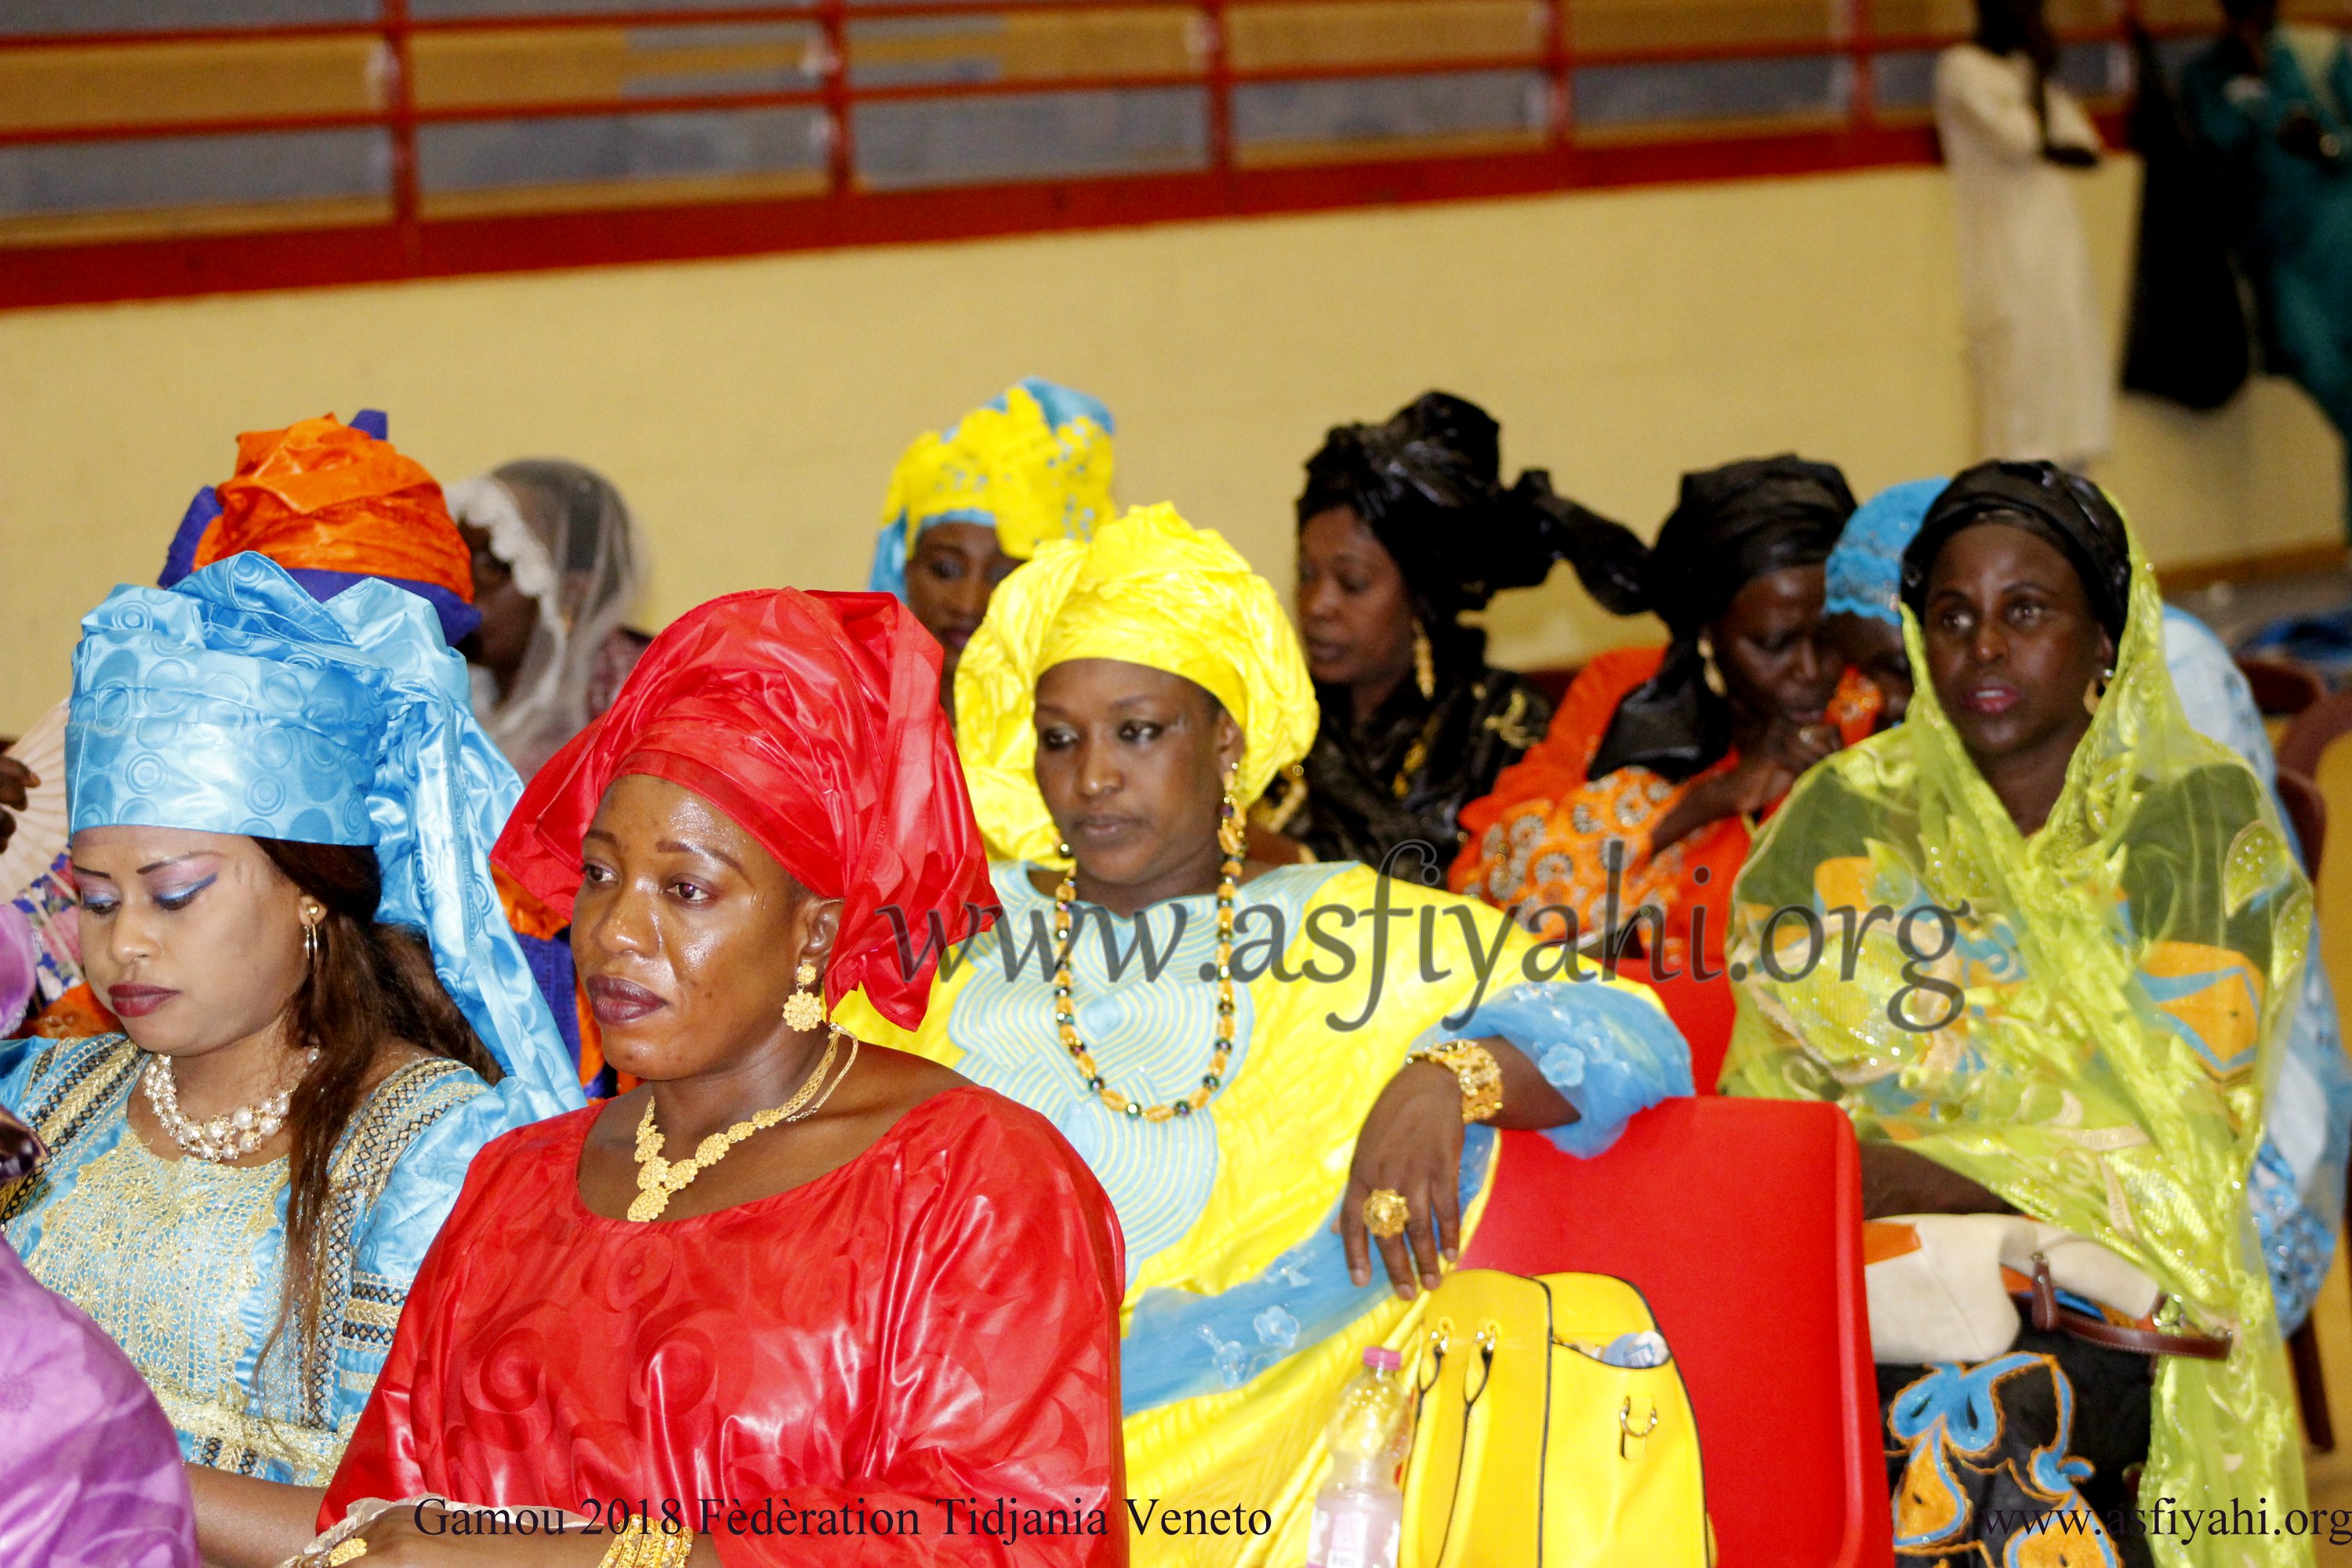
point(236, 702)
point(1866, 569)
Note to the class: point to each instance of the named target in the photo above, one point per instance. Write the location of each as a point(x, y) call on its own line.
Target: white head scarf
point(564, 533)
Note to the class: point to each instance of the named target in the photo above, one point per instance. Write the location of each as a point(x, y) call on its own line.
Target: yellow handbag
point(1530, 1449)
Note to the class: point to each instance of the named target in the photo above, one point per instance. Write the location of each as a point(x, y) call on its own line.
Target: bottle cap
point(1382, 1359)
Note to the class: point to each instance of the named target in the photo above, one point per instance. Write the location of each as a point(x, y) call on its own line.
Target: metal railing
point(845, 210)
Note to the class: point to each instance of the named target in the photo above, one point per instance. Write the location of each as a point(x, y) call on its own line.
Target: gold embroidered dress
point(236, 702)
point(181, 1261)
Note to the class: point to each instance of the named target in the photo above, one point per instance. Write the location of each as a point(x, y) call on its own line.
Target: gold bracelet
point(1475, 1068)
point(637, 1544)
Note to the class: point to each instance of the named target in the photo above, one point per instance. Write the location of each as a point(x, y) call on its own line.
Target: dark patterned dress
point(1405, 773)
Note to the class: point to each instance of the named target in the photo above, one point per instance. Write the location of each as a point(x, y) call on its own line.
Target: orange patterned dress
point(1552, 844)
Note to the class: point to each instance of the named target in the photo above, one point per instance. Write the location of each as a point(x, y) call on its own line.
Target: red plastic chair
point(1702, 1009)
point(1741, 1220)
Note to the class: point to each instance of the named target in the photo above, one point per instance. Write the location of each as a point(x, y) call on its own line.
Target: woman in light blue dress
point(281, 814)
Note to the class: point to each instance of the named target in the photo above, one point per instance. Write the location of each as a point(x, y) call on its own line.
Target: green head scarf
point(2107, 1016)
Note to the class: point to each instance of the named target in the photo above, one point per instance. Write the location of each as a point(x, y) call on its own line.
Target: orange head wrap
point(333, 503)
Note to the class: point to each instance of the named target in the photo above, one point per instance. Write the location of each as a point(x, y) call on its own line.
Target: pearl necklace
point(658, 1179)
point(1066, 1018)
point(224, 1138)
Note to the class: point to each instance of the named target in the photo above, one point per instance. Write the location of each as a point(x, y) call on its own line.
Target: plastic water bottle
point(1359, 1512)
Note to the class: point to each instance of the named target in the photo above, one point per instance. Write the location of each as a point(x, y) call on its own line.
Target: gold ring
point(350, 1551)
point(1385, 1213)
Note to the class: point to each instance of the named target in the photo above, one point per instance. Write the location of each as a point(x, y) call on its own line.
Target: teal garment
point(234, 703)
point(182, 1262)
point(2300, 246)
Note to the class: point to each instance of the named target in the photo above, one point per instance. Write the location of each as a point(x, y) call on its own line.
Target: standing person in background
point(557, 565)
point(1402, 527)
point(965, 508)
point(1631, 818)
point(2038, 344)
point(2275, 102)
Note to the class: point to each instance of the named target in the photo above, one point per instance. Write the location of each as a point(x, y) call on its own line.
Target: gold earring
point(2096, 690)
point(1425, 663)
point(1708, 669)
point(804, 1009)
point(1232, 836)
point(311, 915)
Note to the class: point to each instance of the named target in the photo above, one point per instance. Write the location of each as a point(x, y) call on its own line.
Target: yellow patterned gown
point(1240, 1325)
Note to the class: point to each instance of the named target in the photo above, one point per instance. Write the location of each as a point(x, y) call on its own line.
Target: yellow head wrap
point(1149, 589)
point(1033, 465)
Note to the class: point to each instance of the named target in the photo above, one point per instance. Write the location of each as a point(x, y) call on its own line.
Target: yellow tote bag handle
point(1530, 1451)
point(1457, 1378)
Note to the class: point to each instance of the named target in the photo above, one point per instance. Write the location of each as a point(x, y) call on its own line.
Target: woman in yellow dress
point(1262, 1064)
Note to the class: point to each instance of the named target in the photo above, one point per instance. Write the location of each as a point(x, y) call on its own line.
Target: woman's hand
point(16, 783)
point(1411, 1144)
point(1753, 784)
point(428, 1536)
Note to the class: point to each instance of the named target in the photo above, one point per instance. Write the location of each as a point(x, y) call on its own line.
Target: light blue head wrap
point(1866, 569)
point(234, 703)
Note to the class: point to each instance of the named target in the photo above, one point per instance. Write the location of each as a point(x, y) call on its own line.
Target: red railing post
point(841, 145)
point(1559, 122)
point(400, 123)
point(1862, 49)
point(1221, 88)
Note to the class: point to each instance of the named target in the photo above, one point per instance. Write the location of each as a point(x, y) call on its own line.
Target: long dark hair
point(371, 990)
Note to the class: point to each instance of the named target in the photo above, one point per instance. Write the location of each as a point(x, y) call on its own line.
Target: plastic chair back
point(2281, 686)
point(1740, 1221)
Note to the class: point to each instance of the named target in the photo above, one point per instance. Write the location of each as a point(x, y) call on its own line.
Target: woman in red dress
point(801, 1299)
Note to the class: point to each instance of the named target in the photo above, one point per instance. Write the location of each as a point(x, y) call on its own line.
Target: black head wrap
point(1732, 525)
point(2065, 509)
point(1428, 483)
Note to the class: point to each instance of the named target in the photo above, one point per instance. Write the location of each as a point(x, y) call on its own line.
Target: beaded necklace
point(1066, 1018)
point(227, 1137)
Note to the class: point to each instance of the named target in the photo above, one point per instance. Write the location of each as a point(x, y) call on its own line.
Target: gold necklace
point(1066, 1018)
point(658, 1179)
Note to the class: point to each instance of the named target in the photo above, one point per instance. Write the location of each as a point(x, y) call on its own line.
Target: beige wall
point(751, 409)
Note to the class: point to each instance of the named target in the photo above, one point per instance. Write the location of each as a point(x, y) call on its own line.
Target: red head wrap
point(324, 496)
point(812, 720)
